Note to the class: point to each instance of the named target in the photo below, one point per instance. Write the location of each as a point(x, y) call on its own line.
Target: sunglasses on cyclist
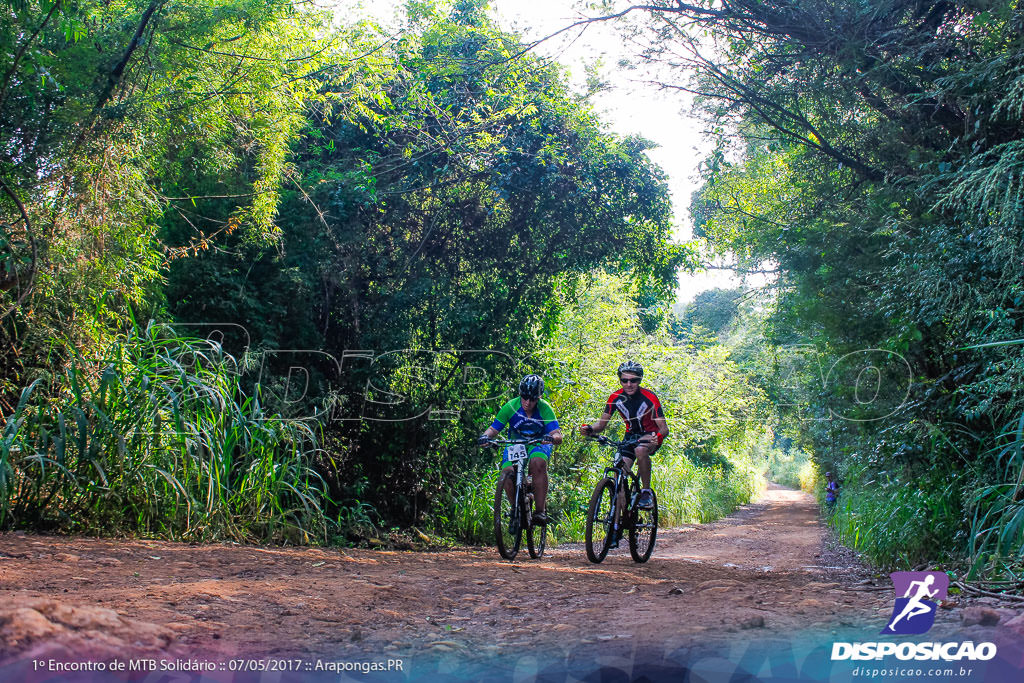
point(630, 380)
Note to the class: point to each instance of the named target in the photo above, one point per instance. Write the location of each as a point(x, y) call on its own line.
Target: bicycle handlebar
point(511, 442)
point(605, 441)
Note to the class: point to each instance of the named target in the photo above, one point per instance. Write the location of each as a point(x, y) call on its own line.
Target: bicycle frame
point(620, 474)
point(519, 518)
point(632, 481)
point(614, 517)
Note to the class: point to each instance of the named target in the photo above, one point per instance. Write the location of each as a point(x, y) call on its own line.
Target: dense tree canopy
point(122, 117)
point(871, 152)
point(387, 215)
point(440, 216)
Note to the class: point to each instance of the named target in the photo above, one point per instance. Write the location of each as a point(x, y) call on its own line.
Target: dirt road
point(763, 574)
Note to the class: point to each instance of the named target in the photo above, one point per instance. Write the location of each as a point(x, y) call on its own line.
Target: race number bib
point(515, 452)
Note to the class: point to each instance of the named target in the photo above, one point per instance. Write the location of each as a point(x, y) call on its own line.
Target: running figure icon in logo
point(914, 612)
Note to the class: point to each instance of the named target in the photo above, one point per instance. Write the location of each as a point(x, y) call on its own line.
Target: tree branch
point(118, 71)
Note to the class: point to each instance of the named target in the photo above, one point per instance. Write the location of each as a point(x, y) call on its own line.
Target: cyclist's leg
point(509, 473)
point(539, 455)
point(643, 465)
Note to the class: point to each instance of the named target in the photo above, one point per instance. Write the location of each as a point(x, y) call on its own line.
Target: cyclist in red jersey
point(641, 411)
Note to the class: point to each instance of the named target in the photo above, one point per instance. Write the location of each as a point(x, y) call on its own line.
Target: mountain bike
point(608, 518)
point(514, 515)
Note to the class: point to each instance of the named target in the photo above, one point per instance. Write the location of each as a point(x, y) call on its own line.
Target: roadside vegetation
point(868, 158)
point(197, 238)
point(266, 272)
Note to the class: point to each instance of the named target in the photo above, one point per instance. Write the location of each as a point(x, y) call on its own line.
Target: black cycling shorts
point(629, 451)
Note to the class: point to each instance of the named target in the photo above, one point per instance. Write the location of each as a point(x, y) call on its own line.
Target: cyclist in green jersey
point(528, 416)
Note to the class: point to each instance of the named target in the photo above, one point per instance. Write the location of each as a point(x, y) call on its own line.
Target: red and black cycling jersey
point(638, 411)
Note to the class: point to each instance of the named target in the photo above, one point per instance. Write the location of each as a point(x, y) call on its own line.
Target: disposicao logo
point(918, 595)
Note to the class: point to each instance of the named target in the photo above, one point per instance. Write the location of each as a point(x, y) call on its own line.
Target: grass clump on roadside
point(894, 524)
point(157, 438)
point(995, 507)
point(898, 519)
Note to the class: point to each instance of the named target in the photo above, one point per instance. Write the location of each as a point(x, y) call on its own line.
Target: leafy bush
point(794, 469)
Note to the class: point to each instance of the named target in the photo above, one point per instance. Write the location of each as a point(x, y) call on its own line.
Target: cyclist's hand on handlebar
point(586, 430)
point(484, 440)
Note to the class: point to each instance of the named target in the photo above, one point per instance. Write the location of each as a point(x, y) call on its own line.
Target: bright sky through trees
point(628, 103)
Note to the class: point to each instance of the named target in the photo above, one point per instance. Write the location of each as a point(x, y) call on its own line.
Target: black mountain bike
point(514, 515)
point(608, 519)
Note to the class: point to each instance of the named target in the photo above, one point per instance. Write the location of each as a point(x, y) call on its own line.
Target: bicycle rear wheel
point(601, 520)
point(643, 531)
point(508, 526)
point(536, 534)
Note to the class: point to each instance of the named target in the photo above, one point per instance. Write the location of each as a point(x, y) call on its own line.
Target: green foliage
point(871, 152)
point(440, 212)
point(709, 315)
point(793, 468)
point(156, 438)
point(326, 188)
point(121, 118)
point(708, 465)
point(997, 509)
point(900, 523)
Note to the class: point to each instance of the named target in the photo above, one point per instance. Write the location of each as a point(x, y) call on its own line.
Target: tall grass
point(896, 523)
point(469, 513)
point(996, 542)
point(157, 438)
point(899, 521)
point(691, 493)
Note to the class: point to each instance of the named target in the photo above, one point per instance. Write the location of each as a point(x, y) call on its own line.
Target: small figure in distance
point(642, 412)
point(528, 416)
point(831, 493)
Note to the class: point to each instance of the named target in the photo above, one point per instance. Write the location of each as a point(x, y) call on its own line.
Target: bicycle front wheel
point(508, 526)
point(536, 534)
point(643, 532)
point(601, 520)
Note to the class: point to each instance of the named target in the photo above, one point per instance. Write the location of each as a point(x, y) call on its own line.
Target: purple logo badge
point(917, 596)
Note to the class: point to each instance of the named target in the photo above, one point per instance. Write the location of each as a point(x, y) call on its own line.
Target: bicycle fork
point(518, 501)
point(622, 507)
point(618, 505)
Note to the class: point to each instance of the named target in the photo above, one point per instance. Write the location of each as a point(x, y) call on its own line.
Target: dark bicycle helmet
point(532, 386)
point(632, 367)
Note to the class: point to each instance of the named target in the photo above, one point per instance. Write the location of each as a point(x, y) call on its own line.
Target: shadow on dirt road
point(761, 574)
